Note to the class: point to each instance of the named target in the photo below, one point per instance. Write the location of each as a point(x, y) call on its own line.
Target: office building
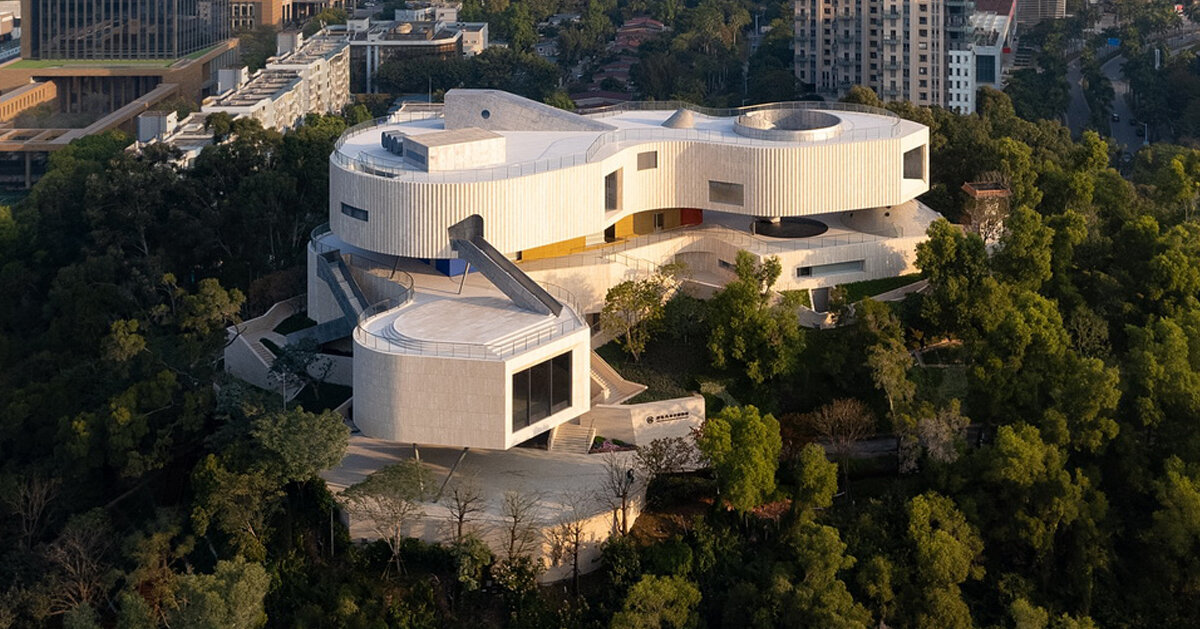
point(121, 29)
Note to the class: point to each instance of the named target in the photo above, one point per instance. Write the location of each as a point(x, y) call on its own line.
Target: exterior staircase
point(608, 385)
point(571, 438)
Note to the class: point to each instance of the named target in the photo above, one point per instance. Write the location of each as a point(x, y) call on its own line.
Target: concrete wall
point(640, 424)
point(415, 398)
point(409, 216)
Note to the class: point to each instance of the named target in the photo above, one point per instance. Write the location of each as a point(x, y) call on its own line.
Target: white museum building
point(470, 244)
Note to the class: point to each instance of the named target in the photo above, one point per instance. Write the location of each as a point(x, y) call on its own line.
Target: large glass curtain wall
point(541, 391)
point(123, 29)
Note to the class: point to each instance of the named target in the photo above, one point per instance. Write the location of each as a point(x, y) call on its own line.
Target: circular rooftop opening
point(788, 125)
point(789, 227)
point(486, 114)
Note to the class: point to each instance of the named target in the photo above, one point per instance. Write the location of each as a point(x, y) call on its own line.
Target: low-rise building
point(372, 43)
point(314, 78)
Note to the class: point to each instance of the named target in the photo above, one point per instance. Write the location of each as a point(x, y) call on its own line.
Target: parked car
point(1116, 117)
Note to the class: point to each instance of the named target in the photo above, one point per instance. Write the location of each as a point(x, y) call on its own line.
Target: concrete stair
point(571, 438)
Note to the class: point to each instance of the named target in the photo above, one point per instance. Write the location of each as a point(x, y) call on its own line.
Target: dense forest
point(1043, 396)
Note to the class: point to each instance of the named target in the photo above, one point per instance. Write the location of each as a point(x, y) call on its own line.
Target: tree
point(887, 357)
point(520, 513)
point(465, 502)
point(80, 573)
point(634, 308)
point(654, 601)
point(743, 447)
point(389, 501)
point(568, 534)
point(665, 455)
point(947, 550)
point(299, 444)
point(29, 497)
point(1175, 534)
point(229, 598)
point(842, 423)
point(816, 478)
point(618, 485)
point(747, 331)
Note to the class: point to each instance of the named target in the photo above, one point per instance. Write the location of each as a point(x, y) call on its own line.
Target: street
point(1126, 134)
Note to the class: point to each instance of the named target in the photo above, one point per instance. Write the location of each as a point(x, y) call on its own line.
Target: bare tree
point(618, 484)
point(389, 501)
point(28, 497)
point(80, 573)
point(842, 423)
point(567, 536)
point(465, 501)
point(519, 513)
point(666, 455)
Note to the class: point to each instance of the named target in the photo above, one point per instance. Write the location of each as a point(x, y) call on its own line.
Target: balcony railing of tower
point(390, 340)
point(397, 169)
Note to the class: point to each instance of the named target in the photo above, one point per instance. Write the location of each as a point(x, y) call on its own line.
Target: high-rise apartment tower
point(896, 47)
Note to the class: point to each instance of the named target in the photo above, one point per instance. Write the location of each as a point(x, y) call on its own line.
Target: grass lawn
point(940, 384)
point(294, 323)
point(42, 64)
point(857, 291)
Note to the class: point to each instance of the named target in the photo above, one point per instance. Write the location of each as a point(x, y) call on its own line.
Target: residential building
point(128, 29)
point(311, 77)
point(982, 59)
point(247, 15)
point(552, 209)
point(895, 47)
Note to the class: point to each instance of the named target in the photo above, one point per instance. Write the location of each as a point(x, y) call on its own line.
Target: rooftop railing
point(388, 339)
point(393, 168)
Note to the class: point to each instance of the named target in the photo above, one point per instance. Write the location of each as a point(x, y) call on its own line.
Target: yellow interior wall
point(625, 227)
point(643, 222)
point(563, 248)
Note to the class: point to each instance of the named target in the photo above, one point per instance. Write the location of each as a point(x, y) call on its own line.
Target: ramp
point(505, 275)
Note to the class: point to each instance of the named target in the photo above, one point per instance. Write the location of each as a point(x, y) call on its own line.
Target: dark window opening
point(612, 190)
point(648, 160)
point(914, 163)
point(353, 212)
point(541, 391)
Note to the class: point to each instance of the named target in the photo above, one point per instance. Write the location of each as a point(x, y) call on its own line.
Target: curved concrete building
point(535, 198)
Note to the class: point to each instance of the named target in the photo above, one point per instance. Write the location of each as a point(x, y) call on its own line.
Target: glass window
point(353, 212)
point(560, 386)
point(540, 391)
point(648, 160)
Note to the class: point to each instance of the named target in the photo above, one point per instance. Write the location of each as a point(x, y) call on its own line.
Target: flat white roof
point(631, 127)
